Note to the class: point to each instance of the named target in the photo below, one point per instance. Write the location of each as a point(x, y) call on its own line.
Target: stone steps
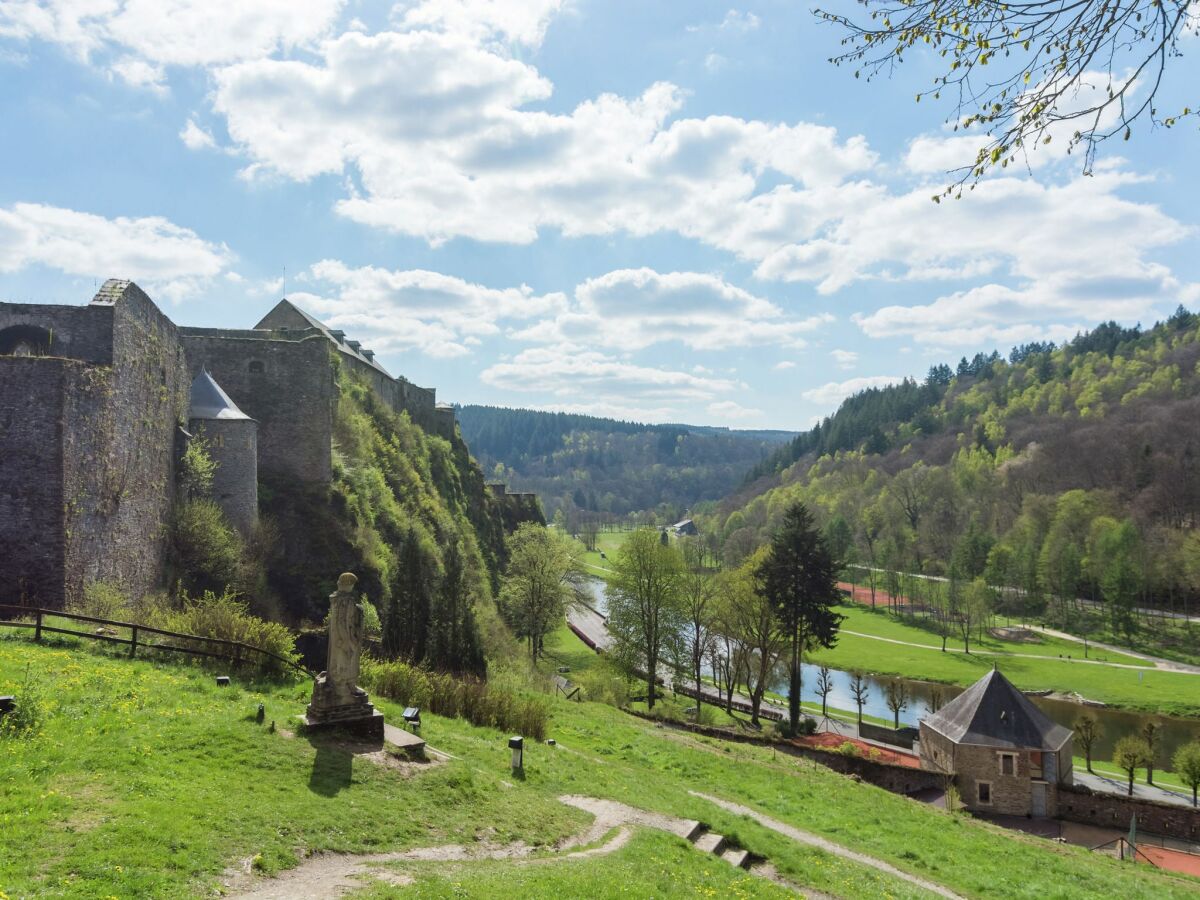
point(710, 842)
point(739, 859)
point(690, 829)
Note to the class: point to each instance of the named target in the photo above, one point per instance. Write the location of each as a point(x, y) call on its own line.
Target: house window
point(1008, 764)
point(256, 368)
point(985, 792)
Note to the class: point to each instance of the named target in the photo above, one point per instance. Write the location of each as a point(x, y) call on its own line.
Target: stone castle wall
point(32, 530)
point(119, 449)
point(77, 332)
point(285, 385)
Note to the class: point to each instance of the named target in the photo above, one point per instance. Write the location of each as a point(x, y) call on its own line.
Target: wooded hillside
point(1058, 472)
point(584, 464)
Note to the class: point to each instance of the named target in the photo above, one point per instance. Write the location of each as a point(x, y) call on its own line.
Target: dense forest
point(1054, 474)
point(584, 466)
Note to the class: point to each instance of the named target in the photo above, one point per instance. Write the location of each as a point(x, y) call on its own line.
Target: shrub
point(206, 548)
point(848, 748)
point(28, 713)
point(604, 684)
point(102, 600)
point(461, 698)
point(808, 725)
point(227, 618)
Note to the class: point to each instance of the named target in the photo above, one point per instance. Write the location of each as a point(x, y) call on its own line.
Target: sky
point(666, 212)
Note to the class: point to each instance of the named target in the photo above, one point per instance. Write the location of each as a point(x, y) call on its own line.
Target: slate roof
point(210, 402)
point(993, 713)
point(336, 335)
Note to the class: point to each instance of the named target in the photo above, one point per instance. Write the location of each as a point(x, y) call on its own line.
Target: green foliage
point(102, 600)
point(542, 576)
point(465, 698)
point(645, 605)
point(206, 548)
point(1186, 763)
point(1130, 754)
point(28, 712)
point(196, 469)
point(227, 618)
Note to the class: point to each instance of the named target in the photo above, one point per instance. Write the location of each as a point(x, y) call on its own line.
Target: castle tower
point(232, 440)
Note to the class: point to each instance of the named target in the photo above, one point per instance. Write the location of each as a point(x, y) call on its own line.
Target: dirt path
point(333, 874)
point(1167, 665)
point(828, 846)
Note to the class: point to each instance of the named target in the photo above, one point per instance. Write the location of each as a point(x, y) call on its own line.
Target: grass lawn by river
point(146, 779)
point(1144, 689)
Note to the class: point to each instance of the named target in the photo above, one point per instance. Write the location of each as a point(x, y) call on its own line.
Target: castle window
point(985, 792)
point(256, 367)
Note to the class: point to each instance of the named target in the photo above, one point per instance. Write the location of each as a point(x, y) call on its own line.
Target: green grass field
point(1148, 690)
point(146, 779)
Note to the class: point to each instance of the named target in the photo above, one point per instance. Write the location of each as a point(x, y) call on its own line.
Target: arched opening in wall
point(256, 367)
point(25, 340)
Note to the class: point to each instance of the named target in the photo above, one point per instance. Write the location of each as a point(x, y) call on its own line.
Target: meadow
point(146, 779)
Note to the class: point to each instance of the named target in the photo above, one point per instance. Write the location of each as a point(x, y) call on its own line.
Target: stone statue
point(337, 700)
point(345, 640)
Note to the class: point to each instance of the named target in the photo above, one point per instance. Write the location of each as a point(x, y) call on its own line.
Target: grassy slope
point(147, 780)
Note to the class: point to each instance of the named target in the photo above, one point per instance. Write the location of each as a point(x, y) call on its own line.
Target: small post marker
point(517, 745)
point(222, 681)
point(261, 715)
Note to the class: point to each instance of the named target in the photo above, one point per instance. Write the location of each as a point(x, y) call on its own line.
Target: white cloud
point(715, 62)
point(148, 34)
point(846, 359)
point(631, 309)
point(835, 392)
point(573, 372)
point(141, 74)
point(440, 315)
point(167, 260)
point(784, 366)
point(729, 410)
point(735, 20)
point(196, 138)
point(520, 21)
point(438, 128)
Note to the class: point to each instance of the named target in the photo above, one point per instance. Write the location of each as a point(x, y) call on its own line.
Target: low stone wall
point(902, 737)
point(897, 779)
point(1077, 803)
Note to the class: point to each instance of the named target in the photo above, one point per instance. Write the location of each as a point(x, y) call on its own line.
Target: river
point(1114, 723)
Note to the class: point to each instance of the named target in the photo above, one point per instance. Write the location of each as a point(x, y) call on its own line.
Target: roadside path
point(813, 840)
point(1167, 665)
point(1106, 784)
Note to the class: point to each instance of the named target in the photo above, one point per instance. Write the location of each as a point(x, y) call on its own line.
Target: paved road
point(1142, 791)
point(1167, 665)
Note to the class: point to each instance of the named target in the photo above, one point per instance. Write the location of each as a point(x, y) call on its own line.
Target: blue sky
point(661, 211)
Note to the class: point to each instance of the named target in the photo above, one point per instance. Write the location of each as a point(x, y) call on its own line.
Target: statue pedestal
point(332, 709)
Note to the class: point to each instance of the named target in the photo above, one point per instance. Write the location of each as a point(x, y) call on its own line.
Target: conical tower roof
point(993, 713)
point(210, 402)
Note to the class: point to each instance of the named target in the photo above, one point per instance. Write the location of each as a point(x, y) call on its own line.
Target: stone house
point(1005, 755)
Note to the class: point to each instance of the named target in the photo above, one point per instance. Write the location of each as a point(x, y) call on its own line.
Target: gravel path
point(828, 846)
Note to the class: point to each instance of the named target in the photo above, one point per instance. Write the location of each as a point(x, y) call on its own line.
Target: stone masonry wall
point(32, 537)
point(77, 332)
point(1078, 804)
point(233, 446)
point(286, 386)
point(119, 446)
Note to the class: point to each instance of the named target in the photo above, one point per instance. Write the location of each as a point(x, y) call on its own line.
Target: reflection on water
point(1115, 723)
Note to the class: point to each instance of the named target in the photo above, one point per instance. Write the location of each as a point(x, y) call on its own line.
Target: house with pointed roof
point(1005, 755)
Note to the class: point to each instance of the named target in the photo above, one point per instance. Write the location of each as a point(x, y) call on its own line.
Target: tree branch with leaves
point(1028, 73)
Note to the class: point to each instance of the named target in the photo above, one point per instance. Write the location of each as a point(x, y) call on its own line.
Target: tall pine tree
point(799, 579)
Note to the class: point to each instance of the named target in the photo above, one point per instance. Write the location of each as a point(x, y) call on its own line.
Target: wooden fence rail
point(215, 648)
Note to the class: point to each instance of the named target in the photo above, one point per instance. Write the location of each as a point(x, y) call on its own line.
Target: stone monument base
point(368, 727)
point(347, 711)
